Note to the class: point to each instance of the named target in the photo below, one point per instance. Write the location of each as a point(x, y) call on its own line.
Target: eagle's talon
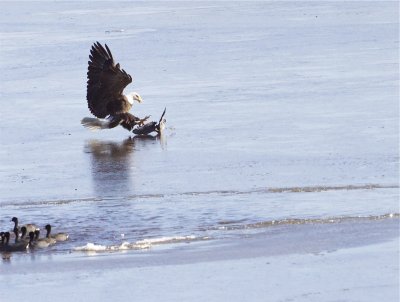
point(143, 120)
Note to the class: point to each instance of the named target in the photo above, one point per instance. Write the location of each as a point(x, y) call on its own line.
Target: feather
point(94, 123)
point(106, 82)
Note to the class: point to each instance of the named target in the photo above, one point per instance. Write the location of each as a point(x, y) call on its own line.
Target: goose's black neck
point(15, 220)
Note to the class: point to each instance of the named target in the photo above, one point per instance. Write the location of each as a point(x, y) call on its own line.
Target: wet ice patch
point(138, 245)
point(91, 247)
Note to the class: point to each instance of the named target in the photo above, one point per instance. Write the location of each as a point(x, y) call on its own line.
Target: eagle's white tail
point(94, 123)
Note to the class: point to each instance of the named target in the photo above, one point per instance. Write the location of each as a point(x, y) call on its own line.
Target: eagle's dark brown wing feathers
point(106, 82)
point(108, 51)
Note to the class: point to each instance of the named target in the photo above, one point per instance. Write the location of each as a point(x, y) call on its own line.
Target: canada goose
point(39, 242)
point(48, 238)
point(17, 247)
point(150, 127)
point(29, 227)
point(58, 236)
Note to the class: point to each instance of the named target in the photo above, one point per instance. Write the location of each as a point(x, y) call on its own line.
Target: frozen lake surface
point(278, 113)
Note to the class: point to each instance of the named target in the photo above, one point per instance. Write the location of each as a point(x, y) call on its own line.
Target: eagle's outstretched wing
point(106, 81)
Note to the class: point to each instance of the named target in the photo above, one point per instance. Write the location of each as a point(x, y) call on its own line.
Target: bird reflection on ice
point(112, 163)
point(141, 141)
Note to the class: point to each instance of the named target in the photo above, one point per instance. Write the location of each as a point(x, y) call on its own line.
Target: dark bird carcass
point(105, 86)
point(150, 127)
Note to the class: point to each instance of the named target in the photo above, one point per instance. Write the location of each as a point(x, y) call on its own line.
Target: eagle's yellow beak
point(138, 98)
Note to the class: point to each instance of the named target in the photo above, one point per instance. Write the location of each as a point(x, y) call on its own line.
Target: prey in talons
point(147, 129)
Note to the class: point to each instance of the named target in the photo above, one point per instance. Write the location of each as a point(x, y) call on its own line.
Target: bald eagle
point(105, 86)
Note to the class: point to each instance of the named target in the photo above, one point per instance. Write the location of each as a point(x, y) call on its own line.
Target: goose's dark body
point(5, 246)
point(151, 127)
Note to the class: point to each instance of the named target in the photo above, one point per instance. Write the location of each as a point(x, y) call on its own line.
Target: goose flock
point(27, 237)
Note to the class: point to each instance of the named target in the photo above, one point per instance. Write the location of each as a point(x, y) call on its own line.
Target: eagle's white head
point(134, 96)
